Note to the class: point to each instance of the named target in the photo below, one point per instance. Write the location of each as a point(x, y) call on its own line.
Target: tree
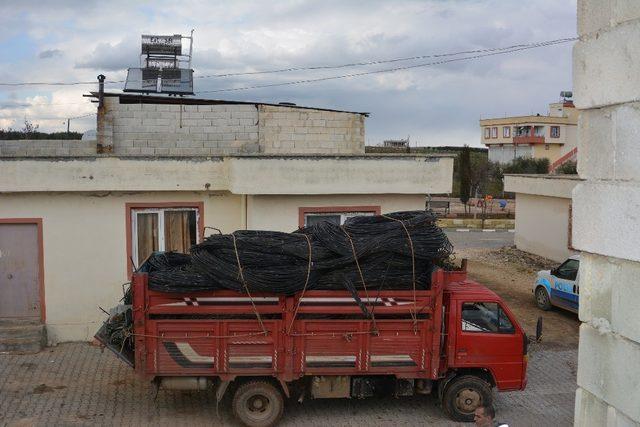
point(29, 128)
point(464, 172)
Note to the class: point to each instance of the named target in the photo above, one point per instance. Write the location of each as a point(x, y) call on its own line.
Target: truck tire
point(463, 395)
point(258, 404)
point(542, 298)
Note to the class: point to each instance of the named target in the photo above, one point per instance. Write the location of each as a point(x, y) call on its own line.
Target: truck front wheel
point(463, 395)
point(258, 404)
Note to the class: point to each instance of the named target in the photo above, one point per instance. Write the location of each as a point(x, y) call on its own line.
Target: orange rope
point(246, 288)
point(413, 267)
point(364, 285)
point(306, 282)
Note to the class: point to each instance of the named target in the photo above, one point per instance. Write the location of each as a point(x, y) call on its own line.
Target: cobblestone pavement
point(77, 384)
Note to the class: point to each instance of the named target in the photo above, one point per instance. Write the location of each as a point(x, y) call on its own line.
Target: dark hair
point(488, 410)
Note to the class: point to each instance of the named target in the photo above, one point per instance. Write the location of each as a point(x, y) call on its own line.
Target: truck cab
point(485, 347)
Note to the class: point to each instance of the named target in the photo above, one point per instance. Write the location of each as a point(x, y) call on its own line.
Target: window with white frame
point(337, 218)
point(494, 132)
point(487, 133)
point(555, 131)
point(163, 229)
point(506, 132)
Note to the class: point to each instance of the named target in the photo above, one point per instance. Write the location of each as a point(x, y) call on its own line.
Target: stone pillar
point(606, 211)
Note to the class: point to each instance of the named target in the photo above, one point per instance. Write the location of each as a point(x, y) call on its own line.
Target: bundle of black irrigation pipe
point(394, 251)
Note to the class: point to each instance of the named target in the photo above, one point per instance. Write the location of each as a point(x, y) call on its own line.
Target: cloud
point(112, 57)
point(45, 54)
point(435, 105)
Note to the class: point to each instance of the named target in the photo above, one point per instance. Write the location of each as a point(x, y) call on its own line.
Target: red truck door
point(488, 338)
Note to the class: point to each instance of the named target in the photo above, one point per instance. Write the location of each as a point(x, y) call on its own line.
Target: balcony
point(525, 139)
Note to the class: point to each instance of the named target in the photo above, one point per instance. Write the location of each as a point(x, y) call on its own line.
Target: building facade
point(552, 136)
point(163, 174)
point(543, 213)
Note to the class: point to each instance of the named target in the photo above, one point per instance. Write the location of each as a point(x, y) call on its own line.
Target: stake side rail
point(217, 334)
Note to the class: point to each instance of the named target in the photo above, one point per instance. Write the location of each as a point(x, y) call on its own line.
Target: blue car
point(559, 287)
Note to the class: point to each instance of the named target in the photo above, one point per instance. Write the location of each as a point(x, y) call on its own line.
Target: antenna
point(163, 66)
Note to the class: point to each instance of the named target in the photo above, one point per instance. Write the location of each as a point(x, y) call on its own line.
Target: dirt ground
point(511, 273)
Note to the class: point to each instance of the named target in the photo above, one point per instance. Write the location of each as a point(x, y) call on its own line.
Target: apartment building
point(552, 136)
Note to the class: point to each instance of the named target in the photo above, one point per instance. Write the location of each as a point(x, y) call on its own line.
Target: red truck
point(457, 339)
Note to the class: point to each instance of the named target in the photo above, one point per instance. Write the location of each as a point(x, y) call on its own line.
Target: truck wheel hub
point(257, 403)
point(468, 400)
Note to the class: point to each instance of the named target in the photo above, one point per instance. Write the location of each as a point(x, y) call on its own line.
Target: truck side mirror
point(539, 329)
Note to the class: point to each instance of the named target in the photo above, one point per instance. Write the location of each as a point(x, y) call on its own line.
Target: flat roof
point(541, 184)
point(129, 98)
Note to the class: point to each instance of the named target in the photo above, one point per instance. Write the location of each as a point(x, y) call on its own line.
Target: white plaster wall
point(542, 225)
point(281, 212)
point(85, 259)
point(368, 174)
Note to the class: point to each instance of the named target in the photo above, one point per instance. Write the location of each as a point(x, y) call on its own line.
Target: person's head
point(484, 415)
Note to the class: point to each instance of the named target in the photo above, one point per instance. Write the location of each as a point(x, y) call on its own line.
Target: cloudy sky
point(73, 41)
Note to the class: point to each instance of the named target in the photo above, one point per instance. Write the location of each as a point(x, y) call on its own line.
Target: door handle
point(462, 352)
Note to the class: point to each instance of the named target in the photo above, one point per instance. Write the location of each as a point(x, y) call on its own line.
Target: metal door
point(19, 271)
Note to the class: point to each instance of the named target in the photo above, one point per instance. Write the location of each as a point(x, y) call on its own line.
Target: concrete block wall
point(197, 130)
point(47, 148)
point(286, 130)
point(606, 60)
point(157, 130)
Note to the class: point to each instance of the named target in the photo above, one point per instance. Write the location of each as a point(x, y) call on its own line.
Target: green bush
point(527, 165)
point(568, 168)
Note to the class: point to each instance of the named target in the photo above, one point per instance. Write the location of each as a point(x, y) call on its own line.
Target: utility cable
point(497, 50)
point(387, 70)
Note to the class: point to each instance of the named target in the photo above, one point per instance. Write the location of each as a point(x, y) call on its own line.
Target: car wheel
point(463, 395)
point(258, 404)
point(542, 298)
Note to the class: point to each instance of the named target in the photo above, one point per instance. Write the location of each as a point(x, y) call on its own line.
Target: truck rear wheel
point(258, 404)
point(463, 395)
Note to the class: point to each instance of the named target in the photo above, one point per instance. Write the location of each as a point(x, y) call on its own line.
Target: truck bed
point(218, 333)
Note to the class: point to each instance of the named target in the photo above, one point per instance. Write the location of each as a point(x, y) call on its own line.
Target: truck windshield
point(485, 317)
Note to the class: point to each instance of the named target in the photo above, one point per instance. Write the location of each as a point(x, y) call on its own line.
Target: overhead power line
point(390, 70)
point(382, 61)
point(487, 52)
